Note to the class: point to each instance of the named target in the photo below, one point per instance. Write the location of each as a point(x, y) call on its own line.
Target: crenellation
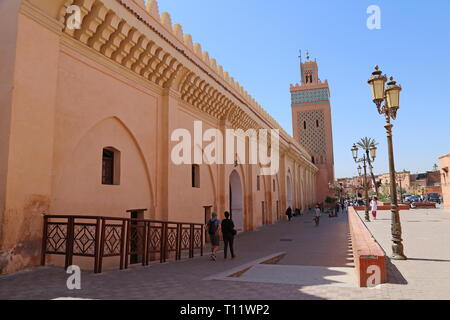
point(205, 57)
point(188, 41)
point(178, 32)
point(152, 8)
point(198, 49)
point(213, 64)
point(220, 71)
point(166, 21)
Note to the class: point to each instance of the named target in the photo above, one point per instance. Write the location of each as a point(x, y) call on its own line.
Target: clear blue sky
point(257, 42)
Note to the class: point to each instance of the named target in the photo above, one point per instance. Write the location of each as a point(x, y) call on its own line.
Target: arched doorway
point(236, 201)
point(289, 192)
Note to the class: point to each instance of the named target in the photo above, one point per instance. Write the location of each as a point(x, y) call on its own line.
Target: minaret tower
point(311, 121)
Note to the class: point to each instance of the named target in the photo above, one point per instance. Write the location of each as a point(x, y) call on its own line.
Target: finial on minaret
point(307, 55)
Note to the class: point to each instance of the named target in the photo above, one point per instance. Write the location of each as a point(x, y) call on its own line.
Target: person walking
point(337, 208)
point(374, 207)
point(346, 205)
point(317, 214)
point(289, 213)
point(212, 227)
point(228, 233)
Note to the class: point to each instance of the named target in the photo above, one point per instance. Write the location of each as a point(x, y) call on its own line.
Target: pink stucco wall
point(63, 102)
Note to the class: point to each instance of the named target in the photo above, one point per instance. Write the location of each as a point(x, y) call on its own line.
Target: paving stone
point(425, 276)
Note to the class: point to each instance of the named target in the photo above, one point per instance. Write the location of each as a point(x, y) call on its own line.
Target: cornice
point(149, 50)
point(39, 16)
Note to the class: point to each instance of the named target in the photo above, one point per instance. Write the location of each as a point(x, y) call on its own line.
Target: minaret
point(311, 121)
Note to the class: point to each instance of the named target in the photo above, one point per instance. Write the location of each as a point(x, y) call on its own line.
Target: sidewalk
point(317, 265)
point(304, 245)
point(426, 239)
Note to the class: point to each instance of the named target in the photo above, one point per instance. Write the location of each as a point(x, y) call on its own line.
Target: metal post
point(397, 245)
point(366, 190)
point(127, 243)
point(102, 247)
point(97, 246)
point(44, 241)
point(123, 242)
point(144, 242)
point(149, 245)
point(69, 241)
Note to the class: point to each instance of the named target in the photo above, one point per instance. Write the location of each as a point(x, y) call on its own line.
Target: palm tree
point(367, 143)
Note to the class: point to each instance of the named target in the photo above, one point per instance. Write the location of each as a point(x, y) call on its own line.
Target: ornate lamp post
point(389, 95)
point(364, 160)
point(360, 181)
point(400, 177)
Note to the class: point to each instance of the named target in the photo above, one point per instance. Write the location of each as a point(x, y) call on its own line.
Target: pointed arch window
point(110, 166)
point(195, 176)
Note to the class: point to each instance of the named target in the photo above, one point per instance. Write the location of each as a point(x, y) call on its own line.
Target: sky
point(258, 43)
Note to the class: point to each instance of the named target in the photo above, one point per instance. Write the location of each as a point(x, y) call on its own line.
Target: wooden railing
point(132, 240)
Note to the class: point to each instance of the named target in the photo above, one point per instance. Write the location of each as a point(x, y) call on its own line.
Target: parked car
point(413, 199)
point(434, 197)
point(406, 196)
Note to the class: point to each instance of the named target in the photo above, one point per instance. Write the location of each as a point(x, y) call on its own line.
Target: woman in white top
point(317, 215)
point(374, 206)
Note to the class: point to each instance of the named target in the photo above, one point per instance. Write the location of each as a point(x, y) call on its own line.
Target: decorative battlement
point(165, 20)
point(309, 86)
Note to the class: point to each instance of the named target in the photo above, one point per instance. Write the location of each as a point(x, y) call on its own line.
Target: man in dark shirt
point(228, 233)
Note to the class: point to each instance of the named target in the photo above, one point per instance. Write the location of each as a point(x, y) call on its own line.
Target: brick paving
point(425, 276)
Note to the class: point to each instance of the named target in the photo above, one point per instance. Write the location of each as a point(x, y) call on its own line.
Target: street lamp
point(364, 160)
point(389, 95)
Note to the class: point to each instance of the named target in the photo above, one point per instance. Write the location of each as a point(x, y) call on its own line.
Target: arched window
point(111, 166)
point(258, 183)
point(313, 160)
point(317, 123)
point(274, 188)
point(195, 176)
point(304, 125)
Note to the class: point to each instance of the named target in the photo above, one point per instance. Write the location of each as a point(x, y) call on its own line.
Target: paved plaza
point(316, 263)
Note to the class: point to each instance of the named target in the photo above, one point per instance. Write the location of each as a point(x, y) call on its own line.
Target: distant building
point(445, 179)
